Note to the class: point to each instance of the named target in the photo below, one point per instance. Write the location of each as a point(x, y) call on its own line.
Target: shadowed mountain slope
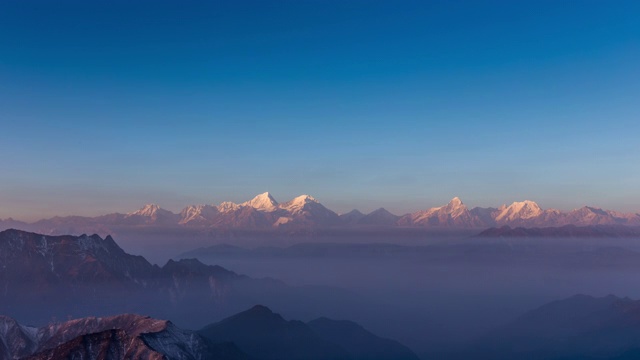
point(264, 334)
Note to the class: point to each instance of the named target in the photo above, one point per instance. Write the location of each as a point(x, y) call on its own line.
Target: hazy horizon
point(177, 210)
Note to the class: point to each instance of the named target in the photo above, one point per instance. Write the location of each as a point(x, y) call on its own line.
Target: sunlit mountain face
point(435, 180)
point(305, 212)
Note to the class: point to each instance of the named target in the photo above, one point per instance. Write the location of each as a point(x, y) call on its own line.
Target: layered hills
point(266, 335)
point(257, 334)
point(85, 275)
point(578, 327)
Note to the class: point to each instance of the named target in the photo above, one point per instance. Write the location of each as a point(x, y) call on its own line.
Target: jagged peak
point(299, 202)
point(528, 204)
point(262, 201)
point(94, 237)
point(520, 210)
point(304, 199)
point(456, 208)
point(518, 205)
point(591, 209)
point(192, 209)
point(525, 202)
point(267, 196)
point(197, 213)
point(4, 319)
point(228, 206)
point(147, 210)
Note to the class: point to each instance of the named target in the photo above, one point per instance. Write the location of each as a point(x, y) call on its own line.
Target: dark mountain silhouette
point(257, 334)
point(604, 231)
point(264, 334)
point(352, 217)
point(579, 327)
point(379, 217)
point(360, 343)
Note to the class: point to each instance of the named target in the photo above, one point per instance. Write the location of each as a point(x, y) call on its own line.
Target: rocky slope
point(118, 337)
point(88, 275)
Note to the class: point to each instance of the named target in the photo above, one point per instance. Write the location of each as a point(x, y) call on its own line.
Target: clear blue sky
point(107, 105)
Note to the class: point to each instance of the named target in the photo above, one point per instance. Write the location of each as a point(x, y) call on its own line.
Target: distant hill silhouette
point(265, 335)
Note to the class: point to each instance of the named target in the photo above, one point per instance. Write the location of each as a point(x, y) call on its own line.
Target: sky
point(108, 105)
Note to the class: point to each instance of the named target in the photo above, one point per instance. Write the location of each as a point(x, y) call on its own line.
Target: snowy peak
point(453, 215)
point(152, 213)
point(228, 206)
point(519, 210)
point(455, 207)
point(587, 215)
point(299, 203)
point(263, 202)
point(306, 210)
point(455, 202)
point(592, 210)
point(303, 199)
point(148, 210)
point(196, 214)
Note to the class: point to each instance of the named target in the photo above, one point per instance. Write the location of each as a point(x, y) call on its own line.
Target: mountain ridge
point(88, 275)
point(577, 327)
point(566, 231)
point(263, 212)
point(118, 337)
point(266, 335)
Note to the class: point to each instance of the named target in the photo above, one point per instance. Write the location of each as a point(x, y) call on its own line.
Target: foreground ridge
point(126, 336)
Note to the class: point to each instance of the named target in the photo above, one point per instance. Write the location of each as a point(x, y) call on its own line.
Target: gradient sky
point(107, 105)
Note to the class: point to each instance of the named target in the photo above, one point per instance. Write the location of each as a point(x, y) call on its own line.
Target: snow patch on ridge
point(520, 210)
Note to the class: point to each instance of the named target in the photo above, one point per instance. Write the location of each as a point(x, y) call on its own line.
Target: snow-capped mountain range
point(265, 213)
